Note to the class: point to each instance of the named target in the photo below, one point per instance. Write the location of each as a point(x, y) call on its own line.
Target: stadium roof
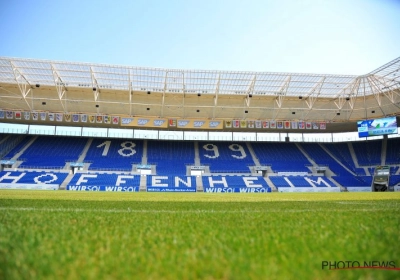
point(78, 87)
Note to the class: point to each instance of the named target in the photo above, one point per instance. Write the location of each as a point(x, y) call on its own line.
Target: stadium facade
point(224, 131)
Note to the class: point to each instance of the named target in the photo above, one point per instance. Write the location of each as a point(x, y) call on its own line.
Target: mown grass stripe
point(193, 211)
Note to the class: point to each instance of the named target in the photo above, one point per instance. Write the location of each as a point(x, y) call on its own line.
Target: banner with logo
point(18, 115)
point(43, 116)
point(75, 118)
point(51, 117)
point(287, 124)
point(84, 118)
point(148, 122)
point(107, 119)
point(199, 124)
point(35, 116)
point(115, 119)
point(59, 117)
point(27, 116)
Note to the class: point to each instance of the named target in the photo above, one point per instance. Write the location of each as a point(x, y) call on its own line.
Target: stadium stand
point(104, 179)
point(353, 181)
point(282, 157)
point(322, 158)
point(225, 157)
point(170, 157)
point(32, 177)
point(171, 181)
point(114, 154)
point(393, 151)
point(10, 145)
point(368, 152)
point(342, 153)
point(300, 181)
point(233, 181)
point(51, 152)
point(394, 180)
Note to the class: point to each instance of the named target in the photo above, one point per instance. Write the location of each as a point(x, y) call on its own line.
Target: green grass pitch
point(99, 235)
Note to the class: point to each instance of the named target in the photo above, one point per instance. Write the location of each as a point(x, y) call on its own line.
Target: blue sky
point(334, 37)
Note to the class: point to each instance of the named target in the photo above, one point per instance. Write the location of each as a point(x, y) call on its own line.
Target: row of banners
point(152, 122)
point(59, 117)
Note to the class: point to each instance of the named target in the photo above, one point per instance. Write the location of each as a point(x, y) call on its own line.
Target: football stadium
point(110, 171)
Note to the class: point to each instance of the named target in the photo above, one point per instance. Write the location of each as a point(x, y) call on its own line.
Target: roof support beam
point(183, 93)
point(216, 95)
point(60, 87)
point(342, 98)
point(282, 92)
point(95, 85)
point(377, 92)
point(250, 91)
point(163, 94)
point(314, 93)
point(385, 90)
point(23, 84)
point(130, 91)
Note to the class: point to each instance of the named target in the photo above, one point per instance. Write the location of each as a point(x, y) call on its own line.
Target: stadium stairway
point(336, 159)
point(199, 184)
point(383, 152)
point(18, 155)
point(355, 160)
point(196, 154)
point(144, 155)
point(8, 143)
point(305, 154)
point(4, 139)
point(271, 184)
point(66, 181)
point(143, 183)
point(253, 154)
point(85, 149)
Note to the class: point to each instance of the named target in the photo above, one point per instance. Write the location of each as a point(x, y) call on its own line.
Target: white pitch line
point(187, 211)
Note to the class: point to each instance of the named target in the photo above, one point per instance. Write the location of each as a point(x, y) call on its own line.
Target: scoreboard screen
point(377, 127)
